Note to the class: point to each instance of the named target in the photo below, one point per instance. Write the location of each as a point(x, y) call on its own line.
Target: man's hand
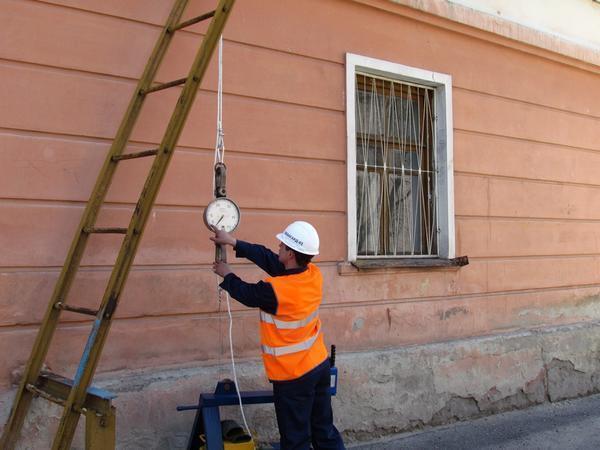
point(222, 237)
point(222, 269)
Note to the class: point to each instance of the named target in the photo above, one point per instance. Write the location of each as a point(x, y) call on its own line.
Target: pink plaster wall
point(527, 155)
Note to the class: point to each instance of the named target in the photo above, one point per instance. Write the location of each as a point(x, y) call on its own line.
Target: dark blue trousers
point(304, 414)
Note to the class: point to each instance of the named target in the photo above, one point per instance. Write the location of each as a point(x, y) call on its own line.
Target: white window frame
point(442, 84)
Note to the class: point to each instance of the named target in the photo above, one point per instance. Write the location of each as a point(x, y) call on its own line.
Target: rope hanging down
point(220, 141)
point(219, 158)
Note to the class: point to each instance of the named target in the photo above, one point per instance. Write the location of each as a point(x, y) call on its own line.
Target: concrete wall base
point(380, 392)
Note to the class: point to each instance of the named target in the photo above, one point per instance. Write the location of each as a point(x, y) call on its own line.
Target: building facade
point(410, 133)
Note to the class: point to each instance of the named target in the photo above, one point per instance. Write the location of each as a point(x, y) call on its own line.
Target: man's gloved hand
point(221, 268)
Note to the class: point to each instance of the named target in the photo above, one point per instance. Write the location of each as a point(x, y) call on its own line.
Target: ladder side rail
point(50, 321)
point(137, 224)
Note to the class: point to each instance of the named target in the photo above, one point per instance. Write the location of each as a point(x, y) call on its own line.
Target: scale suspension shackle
point(220, 180)
point(220, 191)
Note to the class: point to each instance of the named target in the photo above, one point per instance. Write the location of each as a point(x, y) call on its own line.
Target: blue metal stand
point(208, 419)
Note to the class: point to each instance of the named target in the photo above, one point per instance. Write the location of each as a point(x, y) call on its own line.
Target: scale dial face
point(223, 214)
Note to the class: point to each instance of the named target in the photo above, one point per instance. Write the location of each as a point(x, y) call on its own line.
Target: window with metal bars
point(395, 168)
point(399, 162)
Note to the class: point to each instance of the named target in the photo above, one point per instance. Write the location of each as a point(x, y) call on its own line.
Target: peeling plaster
point(379, 392)
point(358, 324)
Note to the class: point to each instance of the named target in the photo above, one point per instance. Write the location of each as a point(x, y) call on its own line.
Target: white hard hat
point(302, 237)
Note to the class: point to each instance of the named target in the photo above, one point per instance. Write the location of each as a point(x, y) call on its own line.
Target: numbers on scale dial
point(222, 214)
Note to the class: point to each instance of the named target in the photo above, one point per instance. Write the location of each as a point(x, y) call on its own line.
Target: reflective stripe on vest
point(287, 349)
point(287, 325)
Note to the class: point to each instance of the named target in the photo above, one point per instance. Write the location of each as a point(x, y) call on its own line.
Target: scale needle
point(219, 220)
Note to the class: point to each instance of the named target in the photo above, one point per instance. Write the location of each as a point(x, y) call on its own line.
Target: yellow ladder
point(75, 396)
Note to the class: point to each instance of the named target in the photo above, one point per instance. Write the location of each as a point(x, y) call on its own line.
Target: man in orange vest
point(293, 351)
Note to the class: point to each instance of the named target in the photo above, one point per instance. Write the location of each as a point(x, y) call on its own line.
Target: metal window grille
point(395, 168)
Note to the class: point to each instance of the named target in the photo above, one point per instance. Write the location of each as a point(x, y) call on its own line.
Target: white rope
point(220, 141)
point(220, 145)
point(235, 381)
point(237, 386)
point(219, 158)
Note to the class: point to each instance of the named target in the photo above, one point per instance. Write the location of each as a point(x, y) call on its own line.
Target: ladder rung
point(60, 387)
point(135, 155)
point(76, 309)
point(105, 230)
point(187, 23)
point(56, 388)
point(160, 87)
point(37, 391)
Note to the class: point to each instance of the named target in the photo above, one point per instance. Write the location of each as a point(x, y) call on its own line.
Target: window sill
point(371, 264)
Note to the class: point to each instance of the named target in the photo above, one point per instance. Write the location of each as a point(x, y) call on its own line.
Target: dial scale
point(223, 214)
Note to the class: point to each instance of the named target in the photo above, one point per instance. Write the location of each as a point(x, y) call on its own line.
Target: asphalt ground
point(567, 425)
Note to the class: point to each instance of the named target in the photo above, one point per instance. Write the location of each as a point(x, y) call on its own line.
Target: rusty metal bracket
point(220, 180)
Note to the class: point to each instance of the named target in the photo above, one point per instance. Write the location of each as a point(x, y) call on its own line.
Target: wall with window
point(525, 164)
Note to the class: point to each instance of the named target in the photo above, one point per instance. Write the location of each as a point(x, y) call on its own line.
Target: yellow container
point(239, 446)
point(231, 446)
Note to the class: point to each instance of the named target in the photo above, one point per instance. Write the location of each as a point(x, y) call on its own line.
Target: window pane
point(368, 200)
point(401, 215)
point(395, 148)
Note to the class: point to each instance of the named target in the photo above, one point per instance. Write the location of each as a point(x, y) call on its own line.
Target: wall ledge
point(510, 34)
point(373, 265)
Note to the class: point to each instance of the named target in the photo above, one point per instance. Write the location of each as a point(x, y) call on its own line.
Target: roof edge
point(506, 28)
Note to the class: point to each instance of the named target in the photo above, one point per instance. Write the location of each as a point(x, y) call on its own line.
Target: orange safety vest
point(292, 341)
